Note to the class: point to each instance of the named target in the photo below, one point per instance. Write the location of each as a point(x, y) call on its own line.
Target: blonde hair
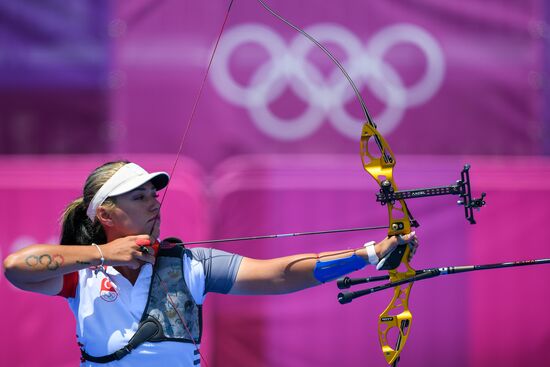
point(76, 227)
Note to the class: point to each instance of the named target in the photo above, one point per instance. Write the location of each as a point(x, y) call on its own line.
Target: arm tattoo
point(31, 261)
point(45, 261)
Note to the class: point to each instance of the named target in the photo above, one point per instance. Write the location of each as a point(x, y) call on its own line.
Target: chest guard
point(169, 302)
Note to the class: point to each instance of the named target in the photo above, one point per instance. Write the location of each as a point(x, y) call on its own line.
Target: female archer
point(138, 302)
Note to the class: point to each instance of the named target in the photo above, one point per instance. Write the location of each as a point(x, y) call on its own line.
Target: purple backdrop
point(439, 77)
point(54, 67)
point(93, 76)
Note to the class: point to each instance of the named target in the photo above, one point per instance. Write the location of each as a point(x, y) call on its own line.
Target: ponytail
point(76, 227)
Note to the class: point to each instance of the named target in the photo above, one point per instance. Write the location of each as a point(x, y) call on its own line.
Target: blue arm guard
point(329, 270)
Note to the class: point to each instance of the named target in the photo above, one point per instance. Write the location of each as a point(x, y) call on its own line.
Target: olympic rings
point(289, 68)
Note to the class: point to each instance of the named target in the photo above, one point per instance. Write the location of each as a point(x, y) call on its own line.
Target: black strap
point(146, 330)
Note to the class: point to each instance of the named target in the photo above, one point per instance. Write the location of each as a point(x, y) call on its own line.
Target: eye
point(139, 197)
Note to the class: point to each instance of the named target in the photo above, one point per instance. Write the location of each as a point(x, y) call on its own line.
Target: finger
point(406, 238)
point(141, 236)
point(143, 240)
point(401, 239)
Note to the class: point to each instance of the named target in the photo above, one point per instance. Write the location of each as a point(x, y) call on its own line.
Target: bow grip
point(394, 259)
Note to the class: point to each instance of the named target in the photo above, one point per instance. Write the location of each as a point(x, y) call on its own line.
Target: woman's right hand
point(130, 251)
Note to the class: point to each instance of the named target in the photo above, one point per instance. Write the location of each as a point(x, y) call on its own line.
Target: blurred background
point(274, 148)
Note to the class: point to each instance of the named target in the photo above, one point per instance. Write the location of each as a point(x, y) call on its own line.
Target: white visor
point(127, 178)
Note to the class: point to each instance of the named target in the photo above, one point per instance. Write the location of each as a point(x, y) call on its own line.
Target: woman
point(130, 313)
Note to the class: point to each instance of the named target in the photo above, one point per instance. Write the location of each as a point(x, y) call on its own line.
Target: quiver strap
point(146, 330)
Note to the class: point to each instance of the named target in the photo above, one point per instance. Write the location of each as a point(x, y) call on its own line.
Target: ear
point(104, 216)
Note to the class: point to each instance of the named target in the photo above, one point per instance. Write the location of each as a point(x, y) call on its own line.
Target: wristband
point(102, 259)
point(371, 252)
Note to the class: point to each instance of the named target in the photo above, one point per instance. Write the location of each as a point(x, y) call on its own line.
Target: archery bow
point(397, 314)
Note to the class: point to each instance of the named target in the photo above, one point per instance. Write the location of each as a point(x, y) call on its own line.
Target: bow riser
point(396, 319)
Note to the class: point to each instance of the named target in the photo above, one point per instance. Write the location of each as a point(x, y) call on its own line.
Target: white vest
point(108, 310)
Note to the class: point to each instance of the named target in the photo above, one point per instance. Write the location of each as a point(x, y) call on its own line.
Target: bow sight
point(461, 188)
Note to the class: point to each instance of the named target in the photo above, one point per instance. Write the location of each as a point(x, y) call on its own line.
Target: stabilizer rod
point(347, 297)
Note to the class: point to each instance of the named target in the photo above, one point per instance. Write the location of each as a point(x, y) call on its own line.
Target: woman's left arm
point(293, 273)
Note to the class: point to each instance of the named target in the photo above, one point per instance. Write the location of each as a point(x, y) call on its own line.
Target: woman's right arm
point(40, 268)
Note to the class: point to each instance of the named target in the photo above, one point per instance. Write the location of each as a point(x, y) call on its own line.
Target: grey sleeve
point(220, 268)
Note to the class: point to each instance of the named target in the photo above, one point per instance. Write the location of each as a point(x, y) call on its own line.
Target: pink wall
point(463, 320)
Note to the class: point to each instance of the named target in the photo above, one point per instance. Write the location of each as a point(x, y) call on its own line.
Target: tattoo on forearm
point(45, 261)
point(31, 261)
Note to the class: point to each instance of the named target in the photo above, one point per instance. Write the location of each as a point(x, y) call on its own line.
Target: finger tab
point(143, 241)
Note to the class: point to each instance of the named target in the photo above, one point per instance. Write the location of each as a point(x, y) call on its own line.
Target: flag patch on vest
point(107, 292)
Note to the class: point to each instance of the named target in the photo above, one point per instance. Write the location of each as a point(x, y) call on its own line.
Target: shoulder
point(219, 268)
point(198, 253)
point(208, 254)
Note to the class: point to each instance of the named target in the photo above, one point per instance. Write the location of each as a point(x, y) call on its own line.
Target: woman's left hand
point(388, 244)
